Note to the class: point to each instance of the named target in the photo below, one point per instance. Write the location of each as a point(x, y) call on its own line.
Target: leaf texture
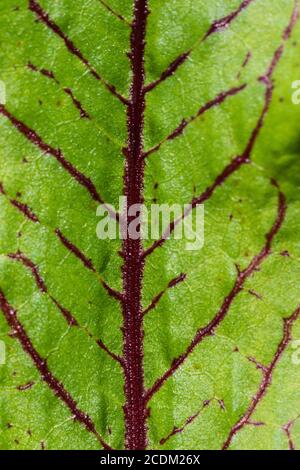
point(134, 344)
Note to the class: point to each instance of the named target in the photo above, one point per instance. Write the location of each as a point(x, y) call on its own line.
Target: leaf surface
point(133, 344)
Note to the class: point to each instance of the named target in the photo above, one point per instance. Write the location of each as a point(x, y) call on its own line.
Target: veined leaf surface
point(133, 344)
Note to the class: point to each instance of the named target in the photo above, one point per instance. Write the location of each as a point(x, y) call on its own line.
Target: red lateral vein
point(66, 313)
point(242, 277)
point(225, 22)
point(53, 383)
point(181, 429)
point(190, 420)
point(287, 429)
point(87, 262)
point(26, 211)
point(29, 264)
point(27, 386)
point(288, 432)
point(267, 378)
point(247, 59)
point(244, 64)
point(217, 101)
point(75, 250)
point(69, 317)
point(49, 74)
point(114, 13)
point(290, 439)
point(83, 114)
point(217, 26)
point(174, 282)
point(36, 140)
point(45, 72)
point(114, 356)
point(294, 18)
point(43, 16)
point(18, 256)
point(169, 71)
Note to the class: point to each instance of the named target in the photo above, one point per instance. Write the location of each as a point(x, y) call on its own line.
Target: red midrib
point(133, 267)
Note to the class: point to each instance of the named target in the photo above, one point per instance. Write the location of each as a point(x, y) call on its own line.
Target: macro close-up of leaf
point(133, 343)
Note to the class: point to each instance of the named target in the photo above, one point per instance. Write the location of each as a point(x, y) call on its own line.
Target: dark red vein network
point(71, 247)
point(135, 408)
point(267, 378)
point(43, 16)
point(244, 158)
point(242, 277)
point(137, 398)
point(53, 383)
point(215, 27)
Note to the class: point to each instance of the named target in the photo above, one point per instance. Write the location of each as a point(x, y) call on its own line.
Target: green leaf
point(134, 344)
